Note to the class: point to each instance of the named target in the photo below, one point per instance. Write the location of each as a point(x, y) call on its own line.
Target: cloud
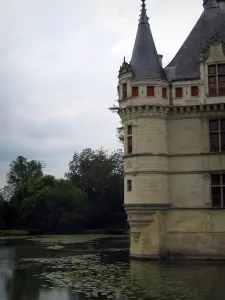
point(59, 63)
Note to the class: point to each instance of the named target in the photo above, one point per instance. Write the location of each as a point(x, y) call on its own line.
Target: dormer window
point(151, 91)
point(216, 77)
point(179, 92)
point(125, 91)
point(135, 91)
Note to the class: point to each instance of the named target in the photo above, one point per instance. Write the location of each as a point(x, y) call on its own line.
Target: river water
point(100, 269)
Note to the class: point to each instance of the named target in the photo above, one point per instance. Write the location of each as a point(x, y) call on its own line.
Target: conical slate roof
point(145, 61)
point(211, 23)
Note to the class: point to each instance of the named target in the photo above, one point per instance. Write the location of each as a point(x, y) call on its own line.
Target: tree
point(120, 129)
point(54, 207)
point(100, 175)
point(22, 171)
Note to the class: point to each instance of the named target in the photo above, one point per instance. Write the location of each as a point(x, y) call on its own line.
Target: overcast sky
point(59, 61)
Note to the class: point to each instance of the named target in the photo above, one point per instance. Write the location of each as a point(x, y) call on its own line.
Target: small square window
point(135, 91)
point(194, 91)
point(129, 185)
point(150, 91)
point(179, 92)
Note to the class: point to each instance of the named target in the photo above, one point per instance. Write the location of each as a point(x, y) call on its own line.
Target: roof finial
point(143, 16)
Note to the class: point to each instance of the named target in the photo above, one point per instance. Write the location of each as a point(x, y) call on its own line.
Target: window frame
point(216, 76)
point(221, 186)
point(221, 135)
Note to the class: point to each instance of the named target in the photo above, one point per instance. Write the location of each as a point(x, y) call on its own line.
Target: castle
point(174, 142)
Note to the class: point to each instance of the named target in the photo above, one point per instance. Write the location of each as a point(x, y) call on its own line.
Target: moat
point(86, 268)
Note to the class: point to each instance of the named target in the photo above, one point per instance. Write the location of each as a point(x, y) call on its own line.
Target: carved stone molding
point(136, 236)
point(139, 223)
point(140, 111)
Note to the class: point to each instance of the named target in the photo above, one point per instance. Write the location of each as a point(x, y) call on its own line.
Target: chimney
point(160, 56)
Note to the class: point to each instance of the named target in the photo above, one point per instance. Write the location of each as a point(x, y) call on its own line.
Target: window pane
point(223, 142)
point(216, 197)
point(222, 125)
point(212, 85)
point(223, 176)
point(214, 125)
point(129, 130)
point(212, 69)
point(214, 142)
point(215, 179)
point(221, 81)
point(221, 68)
point(223, 204)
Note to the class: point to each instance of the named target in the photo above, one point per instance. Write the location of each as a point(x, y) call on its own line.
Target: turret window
point(217, 135)
point(135, 91)
point(150, 91)
point(129, 139)
point(216, 77)
point(194, 91)
point(179, 92)
point(164, 93)
point(124, 90)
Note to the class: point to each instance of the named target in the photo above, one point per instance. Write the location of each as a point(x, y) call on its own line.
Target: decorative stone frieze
point(132, 112)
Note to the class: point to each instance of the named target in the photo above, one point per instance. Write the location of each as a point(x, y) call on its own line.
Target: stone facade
point(169, 161)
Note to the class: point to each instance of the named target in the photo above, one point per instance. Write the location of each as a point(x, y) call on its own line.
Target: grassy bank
point(13, 233)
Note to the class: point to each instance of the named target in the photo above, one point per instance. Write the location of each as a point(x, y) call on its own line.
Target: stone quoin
point(174, 142)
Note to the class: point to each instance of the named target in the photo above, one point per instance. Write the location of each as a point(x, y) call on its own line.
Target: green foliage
point(55, 207)
point(100, 175)
point(89, 197)
point(21, 171)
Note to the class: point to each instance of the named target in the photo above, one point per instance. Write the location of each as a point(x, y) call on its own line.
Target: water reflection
point(180, 281)
point(134, 280)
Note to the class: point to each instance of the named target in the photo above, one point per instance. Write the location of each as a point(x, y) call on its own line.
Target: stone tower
point(174, 146)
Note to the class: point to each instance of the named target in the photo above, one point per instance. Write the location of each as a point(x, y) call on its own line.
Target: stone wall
point(196, 233)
